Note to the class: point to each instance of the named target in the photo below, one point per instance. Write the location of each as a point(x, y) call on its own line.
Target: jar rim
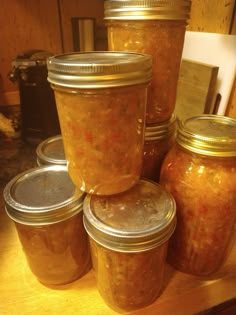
point(56, 157)
point(147, 9)
point(157, 227)
point(212, 135)
point(161, 130)
point(42, 195)
point(99, 69)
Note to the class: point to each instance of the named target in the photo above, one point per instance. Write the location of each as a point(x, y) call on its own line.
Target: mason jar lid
point(137, 220)
point(99, 69)
point(42, 196)
point(212, 135)
point(51, 151)
point(147, 9)
point(160, 130)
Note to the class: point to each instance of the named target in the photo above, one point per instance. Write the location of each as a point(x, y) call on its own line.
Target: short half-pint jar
point(129, 235)
point(47, 212)
point(101, 103)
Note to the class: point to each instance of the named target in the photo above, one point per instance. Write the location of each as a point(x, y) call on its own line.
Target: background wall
point(43, 24)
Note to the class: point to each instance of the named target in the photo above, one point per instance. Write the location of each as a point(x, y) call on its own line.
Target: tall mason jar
point(47, 212)
point(129, 236)
point(154, 27)
point(101, 102)
point(200, 172)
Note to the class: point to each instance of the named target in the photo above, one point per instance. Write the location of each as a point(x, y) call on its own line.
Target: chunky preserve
point(156, 28)
point(47, 212)
point(200, 172)
point(129, 236)
point(101, 101)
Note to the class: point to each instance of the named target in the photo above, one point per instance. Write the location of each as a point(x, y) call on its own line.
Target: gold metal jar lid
point(147, 9)
point(137, 220)
point(212, 135)
point(51, 152)
point(160, 130)
point(94, 70)
point(42, 196)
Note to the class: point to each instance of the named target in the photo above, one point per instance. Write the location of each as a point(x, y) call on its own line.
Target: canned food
point(47, 212)
point(51, 151)
point(154, 27)
point(101, 102)
point(159, 138)
point(200, 172)
point(129, 236)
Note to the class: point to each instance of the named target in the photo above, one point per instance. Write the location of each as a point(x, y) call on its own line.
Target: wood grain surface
point(195, 88)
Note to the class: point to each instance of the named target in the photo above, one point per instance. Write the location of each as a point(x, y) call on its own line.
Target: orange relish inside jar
point(129, 236)
point(159, 138)
point(47, 211)
point(156, 28)
point(200, 172)
point(101, 102)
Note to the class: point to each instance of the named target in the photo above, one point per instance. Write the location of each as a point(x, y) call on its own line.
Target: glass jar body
point(163, 40)
point(56, 253)
point(204, 191)
point(103, 135)
point(128, 281)
point(153, 156)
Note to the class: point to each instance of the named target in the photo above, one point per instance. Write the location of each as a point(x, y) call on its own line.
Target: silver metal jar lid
point(147, 9)
point(160, 130)
point(99, 69)
point(136, 220)
point(42, 196)
point(212, 135)
point(51, 151)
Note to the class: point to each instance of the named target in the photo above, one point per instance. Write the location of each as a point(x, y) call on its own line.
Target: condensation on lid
point(42, 195)
point(141, 217)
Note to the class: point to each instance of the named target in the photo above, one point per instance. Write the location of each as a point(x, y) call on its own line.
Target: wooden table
point(22, 294)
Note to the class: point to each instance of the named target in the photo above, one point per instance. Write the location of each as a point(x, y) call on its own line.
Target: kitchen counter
point(22, 294)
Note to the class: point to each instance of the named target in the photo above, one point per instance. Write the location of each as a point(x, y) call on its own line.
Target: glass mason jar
point(129, 236)
point(51, 151)
point(47, 212)
point(200, 172)
point(159, 138)
point(154, 27)
point(101, 102)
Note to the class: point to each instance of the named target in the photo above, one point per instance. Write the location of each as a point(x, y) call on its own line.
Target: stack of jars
point(101, 101)
point(109, 104)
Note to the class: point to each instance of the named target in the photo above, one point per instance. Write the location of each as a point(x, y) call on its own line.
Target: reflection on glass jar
point(101, 110)
point(129, 236)
point(159, 138)
point(156, 28)
point(200, 172)
point(47, 213)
